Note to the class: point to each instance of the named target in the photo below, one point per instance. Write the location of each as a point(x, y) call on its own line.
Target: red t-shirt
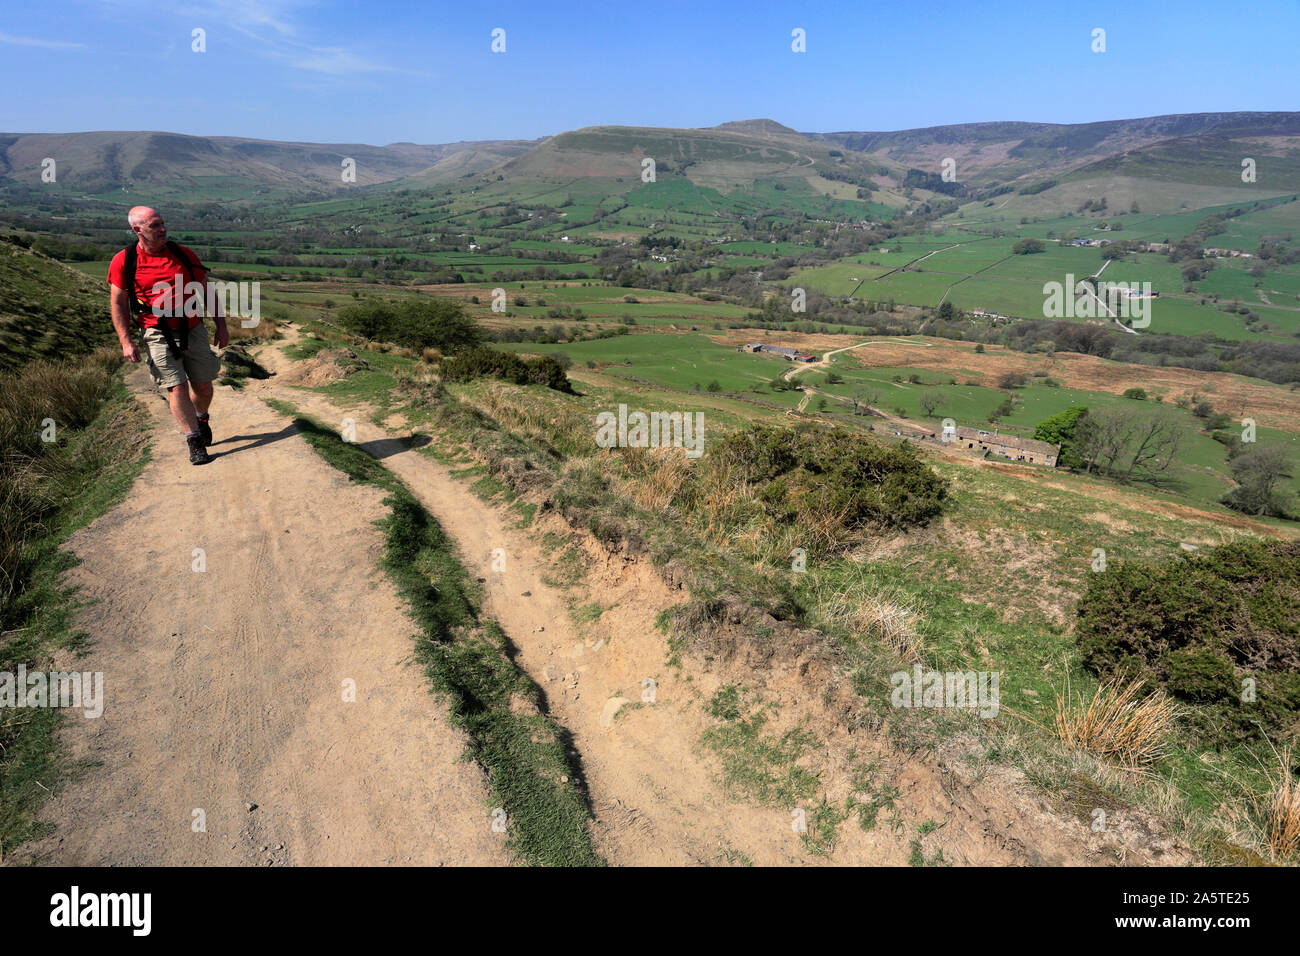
point(160, 271)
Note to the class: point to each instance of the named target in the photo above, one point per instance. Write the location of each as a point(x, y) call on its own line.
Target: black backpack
point(138, 307)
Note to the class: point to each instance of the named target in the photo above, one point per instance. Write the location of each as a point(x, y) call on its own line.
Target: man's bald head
point(147, 223)
point(140, 215)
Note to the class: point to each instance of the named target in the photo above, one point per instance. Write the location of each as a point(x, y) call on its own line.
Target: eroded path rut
point(655, 797)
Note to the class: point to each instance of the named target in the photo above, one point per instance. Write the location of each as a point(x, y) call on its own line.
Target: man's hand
point(130, 352)
point(221, 335)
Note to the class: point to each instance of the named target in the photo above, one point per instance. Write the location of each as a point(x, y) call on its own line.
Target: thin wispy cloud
point(251, 16)
point(336, 61)
point(281, 33)
point(38, 42)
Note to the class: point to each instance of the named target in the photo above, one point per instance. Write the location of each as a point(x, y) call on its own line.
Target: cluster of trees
point(1117, 442)
point(1035, 188)
point(1259, 472)
point(920, 179)
point(1274, 251)
point(1272, 361)
point(1143, 446)
point(555, 334)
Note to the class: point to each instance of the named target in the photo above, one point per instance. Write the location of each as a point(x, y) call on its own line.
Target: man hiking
point(148, 280)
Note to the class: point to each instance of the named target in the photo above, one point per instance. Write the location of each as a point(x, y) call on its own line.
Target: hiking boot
point(198, 454)
point(205, 431)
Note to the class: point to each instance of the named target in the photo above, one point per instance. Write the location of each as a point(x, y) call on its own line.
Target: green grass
point(757, 764)
point(469, 663)
point(94, 471)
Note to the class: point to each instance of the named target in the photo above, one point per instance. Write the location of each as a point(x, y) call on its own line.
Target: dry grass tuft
point(33, 473)
point(1280, 809)
point(888, 618)
point(264, 331)
point(1117, 724)
point(656, 476)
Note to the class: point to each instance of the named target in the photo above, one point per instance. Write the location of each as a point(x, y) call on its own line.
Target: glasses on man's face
point(156, 224)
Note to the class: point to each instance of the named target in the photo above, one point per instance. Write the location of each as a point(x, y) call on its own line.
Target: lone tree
point(928, 402)
point(1259, 474)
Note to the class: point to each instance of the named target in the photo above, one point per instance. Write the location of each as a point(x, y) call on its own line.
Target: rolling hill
point(1201, 150)
point(102, 161)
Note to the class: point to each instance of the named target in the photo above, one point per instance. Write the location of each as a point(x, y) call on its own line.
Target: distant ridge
point(734, 154)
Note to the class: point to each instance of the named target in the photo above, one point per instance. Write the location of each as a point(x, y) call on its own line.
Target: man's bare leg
point(201, 396)
point(182, 406)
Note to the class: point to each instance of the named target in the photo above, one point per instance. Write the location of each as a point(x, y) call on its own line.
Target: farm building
point(1009, 446)
point(984, 444)
point(790, 355)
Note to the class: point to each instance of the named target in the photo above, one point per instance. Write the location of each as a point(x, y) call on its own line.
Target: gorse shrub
point(1212, 629)
point(415, 323)
point(815, 474)
point(484, 362)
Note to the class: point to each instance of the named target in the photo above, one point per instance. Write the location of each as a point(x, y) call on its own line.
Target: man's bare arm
point(121, 311)
point(220, 334)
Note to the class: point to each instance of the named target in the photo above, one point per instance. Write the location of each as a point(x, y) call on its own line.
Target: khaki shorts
point(198, 363)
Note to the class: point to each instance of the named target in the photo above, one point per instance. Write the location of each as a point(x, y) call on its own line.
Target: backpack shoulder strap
point(128, 268)
point(183, 330)
point(136, 306)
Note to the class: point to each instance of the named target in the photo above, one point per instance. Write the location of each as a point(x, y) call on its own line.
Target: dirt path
point(655, 797)
point(822, 362)
point(225, 688)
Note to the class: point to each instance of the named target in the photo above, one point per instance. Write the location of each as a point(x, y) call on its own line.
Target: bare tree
point(1102, 437)
point(862, 400)
point(1130, 447)
point(1155, 441)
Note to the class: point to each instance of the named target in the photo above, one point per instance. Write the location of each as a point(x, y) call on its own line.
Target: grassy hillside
point(992, 583)
point(48, 311)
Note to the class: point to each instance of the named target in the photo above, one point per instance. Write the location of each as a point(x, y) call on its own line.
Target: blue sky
point(377, 72)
